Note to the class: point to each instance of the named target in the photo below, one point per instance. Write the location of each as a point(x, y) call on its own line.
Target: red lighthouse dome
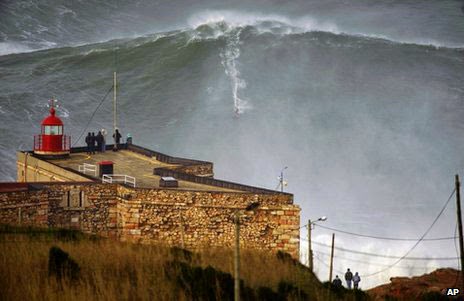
point(52, 142)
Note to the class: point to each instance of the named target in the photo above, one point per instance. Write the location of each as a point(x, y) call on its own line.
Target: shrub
point(61, 266)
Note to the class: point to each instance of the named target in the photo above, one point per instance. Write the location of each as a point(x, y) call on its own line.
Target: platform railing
point(65, 142)
point(84, 168)
point(112, 178)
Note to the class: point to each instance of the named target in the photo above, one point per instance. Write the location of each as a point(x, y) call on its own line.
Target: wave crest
point(262, 23)
point(222, 22)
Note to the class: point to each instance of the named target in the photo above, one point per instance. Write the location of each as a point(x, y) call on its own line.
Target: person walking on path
point(337, 282)
point(348, 278)
point(104, 133)
point(88, 139)
point(99, 139)
point(117, 138)
point(356, 280)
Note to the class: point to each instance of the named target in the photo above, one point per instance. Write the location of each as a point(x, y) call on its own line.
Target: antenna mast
point(114, 108)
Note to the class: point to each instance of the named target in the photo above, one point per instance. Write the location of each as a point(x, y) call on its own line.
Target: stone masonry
point(193, 219)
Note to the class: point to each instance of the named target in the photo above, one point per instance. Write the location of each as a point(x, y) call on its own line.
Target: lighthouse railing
point(37, 142)
point(66, 142)
point(39, 145)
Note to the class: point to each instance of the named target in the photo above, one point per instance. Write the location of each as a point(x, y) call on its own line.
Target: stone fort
point(140, 195)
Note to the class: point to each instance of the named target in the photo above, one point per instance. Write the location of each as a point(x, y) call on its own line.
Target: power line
point(373, 263)
point(382, 256)
point(323, 262)
point(418, 242)
point(404, 257)
point(383, 237)
point(93, 114)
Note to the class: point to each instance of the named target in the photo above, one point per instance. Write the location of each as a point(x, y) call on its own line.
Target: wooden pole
point(182, 230)
point(332, 258)
point(461, 243)
point(237, 257)
point(310, 251)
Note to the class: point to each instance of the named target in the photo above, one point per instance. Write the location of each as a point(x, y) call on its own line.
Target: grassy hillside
point(107, 270)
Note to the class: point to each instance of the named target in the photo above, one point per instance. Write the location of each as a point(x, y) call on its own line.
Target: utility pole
point(114, 109)
point(310, 250)
point(237, 257)
point(238, 213)
point(182, 230)
point(461, 243)
point(332, 258)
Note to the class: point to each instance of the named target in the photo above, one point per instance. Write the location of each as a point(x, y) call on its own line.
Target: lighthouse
point(51, 142)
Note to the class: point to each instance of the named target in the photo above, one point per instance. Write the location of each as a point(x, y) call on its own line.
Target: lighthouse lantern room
point(51, 142)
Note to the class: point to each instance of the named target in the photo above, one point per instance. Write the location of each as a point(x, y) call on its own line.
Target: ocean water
point(362, 100)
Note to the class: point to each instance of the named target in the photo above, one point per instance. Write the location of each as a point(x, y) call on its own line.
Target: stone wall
point(203, 170)
point(24, 207)
point(90, 208)
point(33, 169)
point(205, 218)
point(174, 217)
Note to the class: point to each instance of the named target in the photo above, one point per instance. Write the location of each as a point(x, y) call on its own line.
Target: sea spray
point(229, 56)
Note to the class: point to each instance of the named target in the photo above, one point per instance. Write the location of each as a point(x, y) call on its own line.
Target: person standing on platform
point(117, 138)
point(348, 278)
point(104, 133)
point(99, 139)
point(93, 140)
point(88, 140)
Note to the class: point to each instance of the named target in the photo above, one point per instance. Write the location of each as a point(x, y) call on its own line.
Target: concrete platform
point(129, 163)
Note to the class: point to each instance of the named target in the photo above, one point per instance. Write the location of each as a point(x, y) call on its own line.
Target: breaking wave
point(56, 31)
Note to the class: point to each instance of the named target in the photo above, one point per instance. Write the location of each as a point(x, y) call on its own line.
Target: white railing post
point(84, 168)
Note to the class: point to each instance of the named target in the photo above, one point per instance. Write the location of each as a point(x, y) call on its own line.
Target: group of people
point(349, 278)
point(98, 142)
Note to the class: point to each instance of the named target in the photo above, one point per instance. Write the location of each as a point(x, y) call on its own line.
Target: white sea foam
point(16, 47)
point(229, 57)
point(9, 48)
point(279, 24)
point(95, 50)
point(63, 112)
point(62, 10)
point(264, 23)
point(223, 21)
